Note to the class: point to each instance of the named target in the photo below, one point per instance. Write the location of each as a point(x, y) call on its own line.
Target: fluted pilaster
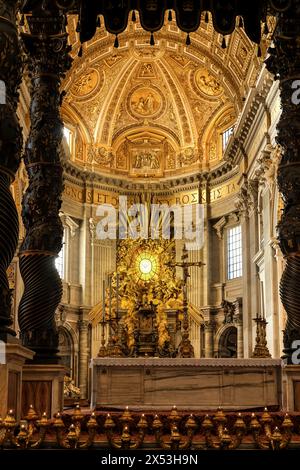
point(239, 326)
point(10, 151)
point(83, 357)
point(48, 59)
point(209, 330)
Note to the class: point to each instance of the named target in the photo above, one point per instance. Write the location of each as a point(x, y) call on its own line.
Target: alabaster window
point(68, 136)
point(234, 252)
point(226, 136)
point(60, 260)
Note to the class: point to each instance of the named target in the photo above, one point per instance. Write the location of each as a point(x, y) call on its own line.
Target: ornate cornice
point(219, 227)
point(234, 149)
point(267, 164)
point(246, 200)
point(91, 181)
point(80, 176)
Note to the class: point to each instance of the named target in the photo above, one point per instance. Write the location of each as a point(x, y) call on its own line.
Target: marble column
point(209, 338)
point(83, 357)
point(284, 63)
point(238, 313)
point(10, 151)
point(205, 270)
point(269, 284)
point(247, 314)
point(240, 340)
point(279, 260)
point(47, 60)
point(246, 205)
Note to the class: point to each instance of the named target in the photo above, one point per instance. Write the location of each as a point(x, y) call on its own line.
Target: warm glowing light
point(145, 266)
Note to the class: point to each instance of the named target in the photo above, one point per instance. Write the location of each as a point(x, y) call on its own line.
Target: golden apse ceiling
point(150, 112)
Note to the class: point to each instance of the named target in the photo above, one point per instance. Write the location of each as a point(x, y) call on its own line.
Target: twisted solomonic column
point(284, 62)
point(48, 59)
point(10, 151)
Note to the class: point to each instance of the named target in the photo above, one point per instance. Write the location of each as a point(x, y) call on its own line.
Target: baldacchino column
point(284, 63)
point(10, 152)
point(12, 354)
point(47, 61)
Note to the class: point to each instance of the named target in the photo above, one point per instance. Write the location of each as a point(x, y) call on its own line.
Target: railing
point(130, 430)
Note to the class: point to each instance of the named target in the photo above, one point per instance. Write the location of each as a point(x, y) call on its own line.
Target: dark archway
point(228, 343)
point(66, 349)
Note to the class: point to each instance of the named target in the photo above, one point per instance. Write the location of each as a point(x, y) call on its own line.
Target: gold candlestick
point(103, 350)
point(261, 348)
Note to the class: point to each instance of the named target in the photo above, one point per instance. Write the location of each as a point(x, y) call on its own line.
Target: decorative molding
point(209, 325)
point(92, 228)
point(219, 226)
point(246, 201)
point(182, 362)
point(266, 168)
point(70, 223)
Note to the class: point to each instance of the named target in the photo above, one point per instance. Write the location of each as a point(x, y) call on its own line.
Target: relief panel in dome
point(207, 84)
point(146, 158)
point(145, 102)
point(87, 85)
point(147, 70)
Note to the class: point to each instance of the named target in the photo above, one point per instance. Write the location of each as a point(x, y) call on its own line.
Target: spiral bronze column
point(47, 61)
point(10, 151)
point(284, 62)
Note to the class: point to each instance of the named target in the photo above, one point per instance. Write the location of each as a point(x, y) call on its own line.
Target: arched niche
point(227, 346)
point(66, 349)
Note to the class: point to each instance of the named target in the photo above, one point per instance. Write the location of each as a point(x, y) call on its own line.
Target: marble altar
point(190, 384)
